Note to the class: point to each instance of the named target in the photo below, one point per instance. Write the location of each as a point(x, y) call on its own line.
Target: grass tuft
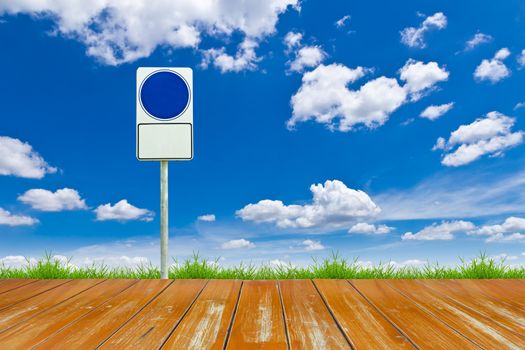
point(335, 266)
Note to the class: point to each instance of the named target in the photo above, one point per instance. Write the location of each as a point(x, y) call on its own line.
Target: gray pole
point(164, 219)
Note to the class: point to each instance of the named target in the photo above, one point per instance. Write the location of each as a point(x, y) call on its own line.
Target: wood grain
point(38, 328)
point(92, 329)
point(310, 324)
point(27, 291)
point(150, 328)
point(32, 306)
point(363, 325)
point(206, 324)
point(511, 292)
point(424, 330)
point(491, 308)
point(7, 285)
point(259, 322)
point(480, 330)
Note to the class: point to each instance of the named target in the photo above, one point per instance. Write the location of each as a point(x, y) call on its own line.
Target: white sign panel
point(164, 113)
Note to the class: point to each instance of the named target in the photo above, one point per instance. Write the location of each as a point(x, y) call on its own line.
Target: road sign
point(164, 114)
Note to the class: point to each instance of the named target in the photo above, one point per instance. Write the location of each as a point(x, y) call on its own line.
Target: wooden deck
point(233, 314)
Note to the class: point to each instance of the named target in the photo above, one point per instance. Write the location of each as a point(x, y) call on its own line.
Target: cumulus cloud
point(325, 98)
point(501, 238)
point(519, 105)
point(292, 40)
point(9, 219)
point(120, 260)
point(407, 263)
point(307, 57)
point(433, 112)
point(122, 211)
point(18, 158)
point(244, 59)
point(521, 58)
point(444, 231)
point(312, 245)
point(415, 36)
point(333, 206)
point(44, 200)
point(494, 69)
point(504, 232)
point(17, 261)
point(490, 135)
point(476, 40)
point(340, 23)
point(207, 218)
point(237, 244)
point(116, 31)
point(370, 229)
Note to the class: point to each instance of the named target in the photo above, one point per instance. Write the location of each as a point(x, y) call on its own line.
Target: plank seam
point(52, 306)
point(384, 316)
point(284, 315)
point(184, 315)
point(32, 296)
point(84, 315)
point(22, 285)
point(135, 314)
point(232, 320)
point(433, 315)
point(333, 316)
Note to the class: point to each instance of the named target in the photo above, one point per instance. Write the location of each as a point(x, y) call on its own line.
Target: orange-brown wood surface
point(234, 314)
point(92, 329)
point(38, 328)
point(27, 291)
point(151, 327)
point(7, 285)
point(425, 331)
point(363, 325)
point(207, 322)
point(30, 307)
point(310, 324)
point(481, 330)
point(259, 322)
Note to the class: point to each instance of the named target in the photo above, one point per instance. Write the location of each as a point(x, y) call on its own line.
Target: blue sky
point(285, 97)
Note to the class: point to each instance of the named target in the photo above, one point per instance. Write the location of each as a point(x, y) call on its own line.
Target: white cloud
point(501, 238)
point(342, 21)
point(476, 40)
point(307, 57)
point(292, 40)
point(497, 233)
point(237, 244)
point(366, 228)
point(433, 112)
point(443, 231)
point(313, 245)
point(122, 211)
point(281, 263)
point(519, 105)
point(421, 77)
point(504, 256)
point(18, 158)
point(493, 70)
point(325, 98)
point(44, 200)
point(415, 37)
point(121, 260)
point(116, 31)
point(521, 58)
point(9, 219)
point(244, 59)
point(407, 263)
point(207, 218)
point(489, 135)
point(333, 206)
point(17, 261)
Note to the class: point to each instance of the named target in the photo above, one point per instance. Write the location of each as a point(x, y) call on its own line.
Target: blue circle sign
point(164, 95)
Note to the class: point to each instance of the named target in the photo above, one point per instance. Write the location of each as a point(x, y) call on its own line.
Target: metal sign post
point(164, 130)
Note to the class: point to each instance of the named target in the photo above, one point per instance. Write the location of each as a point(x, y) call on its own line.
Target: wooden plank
point(30, 307)
point(259, 321)
point(38, 328)
point(310, 324)
point(205, 326)
point(498, 311)
point(150, 328)
point(7, 285)
point(27, 291)
point(508, 291)
point(363, 325)
point(95, 327)
point(482, 331)
point(424, 330)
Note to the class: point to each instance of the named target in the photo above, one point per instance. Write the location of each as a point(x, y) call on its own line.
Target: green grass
point(333, 267)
